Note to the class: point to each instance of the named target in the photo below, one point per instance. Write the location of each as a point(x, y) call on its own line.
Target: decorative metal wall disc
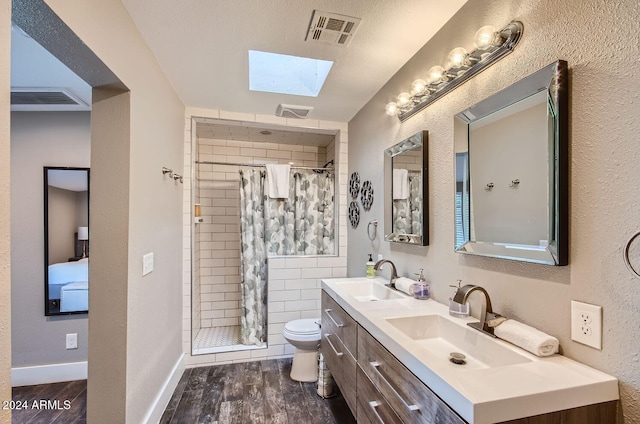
point(354, 214)
point(366, 196)
point(354, 185)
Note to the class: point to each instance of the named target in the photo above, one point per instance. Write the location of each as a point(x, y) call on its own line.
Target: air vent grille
point(293, 111)
point(41, 98)
point(332, 28)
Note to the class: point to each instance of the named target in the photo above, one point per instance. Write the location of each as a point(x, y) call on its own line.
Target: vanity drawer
point(341, 363)
point(372, 407)
point(342, 324)
point(408, 396)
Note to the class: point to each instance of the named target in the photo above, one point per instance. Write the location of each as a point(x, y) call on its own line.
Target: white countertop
point(480, 395)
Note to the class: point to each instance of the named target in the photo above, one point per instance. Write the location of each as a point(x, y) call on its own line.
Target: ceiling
point(203, 45)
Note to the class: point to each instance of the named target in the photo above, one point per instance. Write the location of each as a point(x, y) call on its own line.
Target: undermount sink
point(369, 291)
point(440, 337)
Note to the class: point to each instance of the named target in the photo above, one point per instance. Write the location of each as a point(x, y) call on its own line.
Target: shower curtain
point(303, 224)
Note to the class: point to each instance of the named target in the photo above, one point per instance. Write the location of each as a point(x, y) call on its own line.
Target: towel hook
point(489, 187)
point(375, 229)
point(166, 170)
point(625, 255)
point(177, 177)
point(514, 183)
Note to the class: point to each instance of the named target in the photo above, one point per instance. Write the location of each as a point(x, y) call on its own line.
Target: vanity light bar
point(491, 46)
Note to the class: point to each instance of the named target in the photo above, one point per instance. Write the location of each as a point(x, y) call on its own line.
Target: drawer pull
point(373, 405)
point(375, 365)
point(326, 336)
point(328, 311)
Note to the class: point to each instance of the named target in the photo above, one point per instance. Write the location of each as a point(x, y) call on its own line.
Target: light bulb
point(391, 109)
point(434, 75)
point(418, 86)
point(457, 58)
point(485, 37)
point(404, 99)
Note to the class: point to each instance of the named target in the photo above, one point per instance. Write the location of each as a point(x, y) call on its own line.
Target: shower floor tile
point(220, 339)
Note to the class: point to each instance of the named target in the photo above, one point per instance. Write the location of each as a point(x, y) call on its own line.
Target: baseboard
point(164, 395)
point(45, 374)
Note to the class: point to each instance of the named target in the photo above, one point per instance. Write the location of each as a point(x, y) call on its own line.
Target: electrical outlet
point(380, 257)
point(72, 341)
point(586, 324)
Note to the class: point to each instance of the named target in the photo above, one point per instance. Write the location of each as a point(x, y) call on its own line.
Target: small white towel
point(278, 181)
point(400, 184)
point(527, 337)
point(405, 285)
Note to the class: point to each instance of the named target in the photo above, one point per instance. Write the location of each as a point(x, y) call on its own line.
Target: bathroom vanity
point(390, 356)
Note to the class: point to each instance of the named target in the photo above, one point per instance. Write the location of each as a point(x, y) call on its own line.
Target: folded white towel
point(527, 337)
point(278, 181)
point(400, 184)
point(405, 285)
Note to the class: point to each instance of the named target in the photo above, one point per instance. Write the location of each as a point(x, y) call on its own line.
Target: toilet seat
point(301, 332)
point(303, 327)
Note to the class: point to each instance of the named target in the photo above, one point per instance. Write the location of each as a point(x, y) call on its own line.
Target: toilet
point(304, 335)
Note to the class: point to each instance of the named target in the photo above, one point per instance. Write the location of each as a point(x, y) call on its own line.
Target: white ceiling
point(202, 46)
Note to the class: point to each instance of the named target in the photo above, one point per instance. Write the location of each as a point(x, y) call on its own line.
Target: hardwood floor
point(251, 392)
point(242, 393)
point(57, 403)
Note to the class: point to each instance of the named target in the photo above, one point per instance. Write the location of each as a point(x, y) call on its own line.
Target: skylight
point(280, 73)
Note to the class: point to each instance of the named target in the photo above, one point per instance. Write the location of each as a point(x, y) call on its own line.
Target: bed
point(69, 283)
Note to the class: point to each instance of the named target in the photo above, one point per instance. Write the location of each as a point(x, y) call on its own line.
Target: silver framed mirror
point(406, 181)
point(512, 171)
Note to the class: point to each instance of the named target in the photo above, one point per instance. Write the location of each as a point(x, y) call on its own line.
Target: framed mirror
point(66, 240)
point(512, 171)
point(406, 202)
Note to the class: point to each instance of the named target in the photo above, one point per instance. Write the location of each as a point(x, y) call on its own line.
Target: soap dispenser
point(371, 270)
point(456, 309)
point(421, 289)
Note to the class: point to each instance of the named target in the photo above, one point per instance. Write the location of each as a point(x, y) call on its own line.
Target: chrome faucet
point(394, 273)
point(462, 295)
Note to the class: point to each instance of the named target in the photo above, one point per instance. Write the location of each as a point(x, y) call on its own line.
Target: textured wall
point(146, 209)
point(5, 270)
point(41, 139)
point(600, 41)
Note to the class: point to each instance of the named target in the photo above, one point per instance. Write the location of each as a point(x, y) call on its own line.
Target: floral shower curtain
point(303, 224)
point(407, 213)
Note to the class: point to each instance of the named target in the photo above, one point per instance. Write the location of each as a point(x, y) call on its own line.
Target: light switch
point(147, 263)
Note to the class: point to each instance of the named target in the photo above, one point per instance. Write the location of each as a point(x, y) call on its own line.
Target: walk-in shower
point(241, 226)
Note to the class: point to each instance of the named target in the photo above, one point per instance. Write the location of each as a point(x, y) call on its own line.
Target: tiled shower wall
point(219, 196)
point(294, 283)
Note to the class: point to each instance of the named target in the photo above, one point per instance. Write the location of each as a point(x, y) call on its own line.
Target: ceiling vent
point(293, 111)
point(26, 99)
point(331, 28)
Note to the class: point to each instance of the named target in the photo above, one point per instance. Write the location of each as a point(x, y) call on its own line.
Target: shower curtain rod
point(204, 162)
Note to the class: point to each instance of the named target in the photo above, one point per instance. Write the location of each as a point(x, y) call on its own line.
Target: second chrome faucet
point(486, 313)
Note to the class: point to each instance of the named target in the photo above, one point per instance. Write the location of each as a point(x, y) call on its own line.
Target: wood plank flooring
point(45, 403)
point(242, 393)
point(248, 393)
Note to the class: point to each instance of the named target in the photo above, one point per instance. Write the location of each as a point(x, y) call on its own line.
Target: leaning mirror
point(512, 171)
point(406, 208)
point(66, 240)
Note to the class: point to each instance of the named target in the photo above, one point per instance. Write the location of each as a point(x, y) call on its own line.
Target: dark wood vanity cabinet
point(409, 397)
point(338, 346)
point(376, 386)
point(379, 389)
